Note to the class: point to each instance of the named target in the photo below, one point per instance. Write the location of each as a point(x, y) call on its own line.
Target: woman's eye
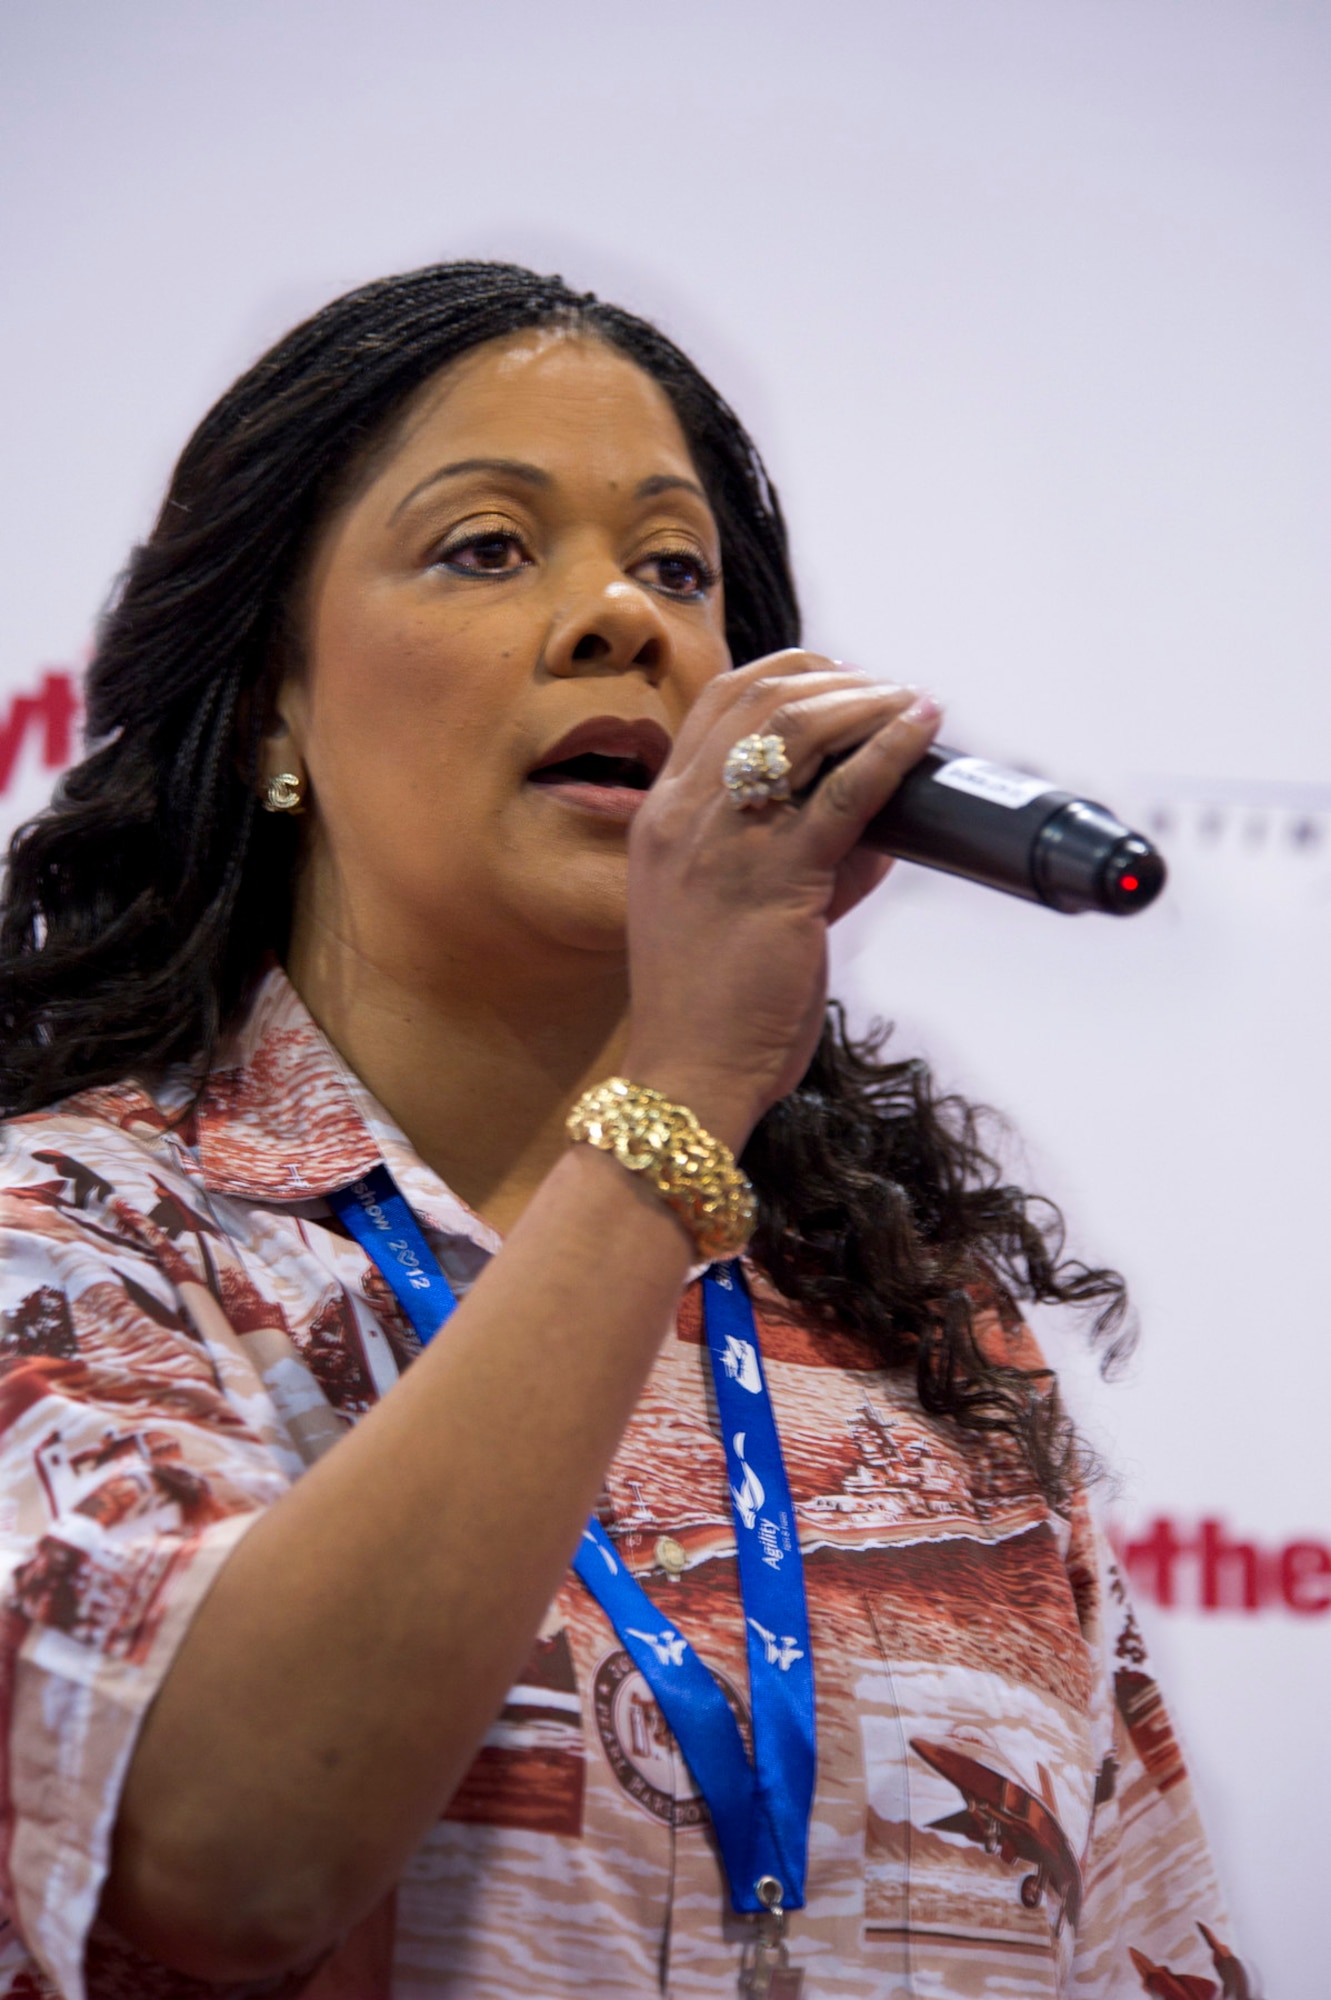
point(491, 554)
point(681, 573)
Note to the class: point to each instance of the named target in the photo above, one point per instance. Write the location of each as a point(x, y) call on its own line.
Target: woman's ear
point(280, 775)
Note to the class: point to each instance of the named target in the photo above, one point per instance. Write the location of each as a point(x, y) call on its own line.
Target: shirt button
point(670, 1555)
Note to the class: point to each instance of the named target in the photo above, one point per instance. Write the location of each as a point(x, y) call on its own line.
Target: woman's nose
point(609, 630)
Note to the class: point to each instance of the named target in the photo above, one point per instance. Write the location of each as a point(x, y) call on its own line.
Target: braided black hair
point(140, 905)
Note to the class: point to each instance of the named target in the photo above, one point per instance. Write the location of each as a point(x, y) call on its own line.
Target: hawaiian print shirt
point(1001, 1806)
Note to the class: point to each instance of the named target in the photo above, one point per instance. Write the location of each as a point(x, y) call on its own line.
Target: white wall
point(1029, 303)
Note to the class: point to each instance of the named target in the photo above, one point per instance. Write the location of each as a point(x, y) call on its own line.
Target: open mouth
point(605, 765)
point(592, 768)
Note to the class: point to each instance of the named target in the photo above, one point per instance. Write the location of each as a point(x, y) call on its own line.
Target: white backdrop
point(1029, 304)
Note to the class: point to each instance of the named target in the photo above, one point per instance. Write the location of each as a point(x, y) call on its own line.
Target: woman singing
point(431, 1164)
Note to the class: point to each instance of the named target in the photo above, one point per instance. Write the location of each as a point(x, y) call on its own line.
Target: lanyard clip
point(768, 1973)
point(771, 1894)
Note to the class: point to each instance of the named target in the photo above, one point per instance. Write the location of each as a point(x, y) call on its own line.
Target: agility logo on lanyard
point(760, 1806)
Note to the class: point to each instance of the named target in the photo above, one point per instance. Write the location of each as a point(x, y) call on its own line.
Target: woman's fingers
point(839, 810)
point(857, 877)
point(737, 703)
point(824, 719)
point(817, 707)
point(819, 710)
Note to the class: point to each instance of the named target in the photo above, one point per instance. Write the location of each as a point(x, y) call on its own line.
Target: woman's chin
point(580, 902)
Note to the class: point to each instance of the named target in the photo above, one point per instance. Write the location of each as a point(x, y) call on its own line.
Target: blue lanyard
point(760, 1806)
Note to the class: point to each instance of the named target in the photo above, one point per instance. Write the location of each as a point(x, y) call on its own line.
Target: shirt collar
point(283, 1118)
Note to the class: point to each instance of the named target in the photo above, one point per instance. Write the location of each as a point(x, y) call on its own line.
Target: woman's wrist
point(692, 1170)
point(725, 1103)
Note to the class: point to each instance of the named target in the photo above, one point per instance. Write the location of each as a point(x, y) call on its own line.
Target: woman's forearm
point(338, 1678)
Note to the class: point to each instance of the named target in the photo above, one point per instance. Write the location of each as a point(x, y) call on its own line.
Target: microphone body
point(1010, 831)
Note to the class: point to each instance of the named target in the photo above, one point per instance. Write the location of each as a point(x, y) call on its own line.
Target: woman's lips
point(605, 765)
point(614, 802)
point(640, 738)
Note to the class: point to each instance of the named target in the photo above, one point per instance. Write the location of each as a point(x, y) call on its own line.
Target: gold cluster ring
point(756, 771)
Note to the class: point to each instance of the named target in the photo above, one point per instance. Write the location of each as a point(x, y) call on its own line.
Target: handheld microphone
point(1017, 833)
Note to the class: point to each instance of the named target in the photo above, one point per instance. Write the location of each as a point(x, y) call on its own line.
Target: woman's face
point(502, 631)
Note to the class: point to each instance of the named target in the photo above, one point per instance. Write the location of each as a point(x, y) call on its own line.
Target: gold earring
point(284, 793)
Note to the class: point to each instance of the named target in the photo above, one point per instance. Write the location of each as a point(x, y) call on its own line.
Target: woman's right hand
point(729, 910)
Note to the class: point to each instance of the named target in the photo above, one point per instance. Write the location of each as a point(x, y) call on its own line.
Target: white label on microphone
point(993, 782)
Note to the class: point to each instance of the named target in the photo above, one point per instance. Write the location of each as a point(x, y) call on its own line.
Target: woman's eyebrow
point(513, 468)
point(668, 482)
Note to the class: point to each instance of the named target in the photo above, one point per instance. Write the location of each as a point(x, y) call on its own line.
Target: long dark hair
point(140, 905)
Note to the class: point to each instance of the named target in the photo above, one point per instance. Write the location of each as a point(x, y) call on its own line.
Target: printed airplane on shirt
point(1003, 1818)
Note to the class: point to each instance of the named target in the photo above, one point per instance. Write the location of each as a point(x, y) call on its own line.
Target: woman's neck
point(480, 1075)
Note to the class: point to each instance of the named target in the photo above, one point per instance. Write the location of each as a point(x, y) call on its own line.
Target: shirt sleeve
point(1153, 1919)
point(138, 1443)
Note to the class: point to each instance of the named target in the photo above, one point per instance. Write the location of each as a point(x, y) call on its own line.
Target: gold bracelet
point(695, 1173)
